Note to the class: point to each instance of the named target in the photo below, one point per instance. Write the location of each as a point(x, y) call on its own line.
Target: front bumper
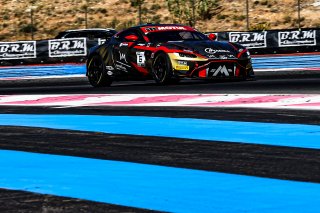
point(211, 68)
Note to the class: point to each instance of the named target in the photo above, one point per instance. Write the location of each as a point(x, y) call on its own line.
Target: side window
point(121, 36)
point(83, 34)
point(65, 35)
point(185, 35)
point(100, 35)
point(90, 36)
point(72, 35)
point(140, 37)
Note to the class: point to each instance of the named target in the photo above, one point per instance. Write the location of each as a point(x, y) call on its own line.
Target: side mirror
point(131, 38)
point(212, 36)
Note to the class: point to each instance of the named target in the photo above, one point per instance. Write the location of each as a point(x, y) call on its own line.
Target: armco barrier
point(76, 49)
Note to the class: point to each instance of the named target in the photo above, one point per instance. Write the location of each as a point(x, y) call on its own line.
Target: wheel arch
point(159, 52)
point(168, 75)
point(96, 74)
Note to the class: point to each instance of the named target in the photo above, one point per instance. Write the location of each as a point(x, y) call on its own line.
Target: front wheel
point(96, 72)
point(162, 69)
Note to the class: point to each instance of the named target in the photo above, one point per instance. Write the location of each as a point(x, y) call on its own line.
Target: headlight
point(185, 55)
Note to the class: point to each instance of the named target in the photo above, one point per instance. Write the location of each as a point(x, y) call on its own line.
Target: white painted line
point(270, 101)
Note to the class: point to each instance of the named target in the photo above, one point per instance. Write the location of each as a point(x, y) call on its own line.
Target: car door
point(127, 58)
point(121, 52)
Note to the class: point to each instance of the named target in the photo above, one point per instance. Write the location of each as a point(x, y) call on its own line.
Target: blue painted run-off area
point(302, 61)
point(306, 61)
point(293, 135)
point(154, 187)
point(41, 71)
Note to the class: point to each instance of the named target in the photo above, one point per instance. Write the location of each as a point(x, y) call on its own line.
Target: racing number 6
point(140, 58)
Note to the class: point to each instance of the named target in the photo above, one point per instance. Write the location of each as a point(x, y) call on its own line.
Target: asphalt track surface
point(266, 161)
point(304, 82)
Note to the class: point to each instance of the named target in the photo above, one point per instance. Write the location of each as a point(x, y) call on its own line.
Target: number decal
point(141, 59)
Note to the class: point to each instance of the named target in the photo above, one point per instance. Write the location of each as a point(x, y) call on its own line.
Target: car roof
point(147, 28)
point(90, 29)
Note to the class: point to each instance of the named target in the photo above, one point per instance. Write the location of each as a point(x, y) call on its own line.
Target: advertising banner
point(297, 38)
point(249, 39)
point(276, 41)
point(67, 47)
point(17, 50)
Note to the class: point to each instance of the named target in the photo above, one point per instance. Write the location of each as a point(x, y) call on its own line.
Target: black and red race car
point(166, 53)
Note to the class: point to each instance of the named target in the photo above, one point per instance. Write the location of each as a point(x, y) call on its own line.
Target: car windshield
point(176, 36)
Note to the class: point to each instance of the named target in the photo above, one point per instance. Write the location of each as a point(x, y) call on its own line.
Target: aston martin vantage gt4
point(166, 53)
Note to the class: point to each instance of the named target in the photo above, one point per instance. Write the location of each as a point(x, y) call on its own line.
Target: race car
point(91, 34)
point(166, 53)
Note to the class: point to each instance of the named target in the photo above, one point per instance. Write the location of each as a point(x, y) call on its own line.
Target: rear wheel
point(97, 75)
point(162, 70)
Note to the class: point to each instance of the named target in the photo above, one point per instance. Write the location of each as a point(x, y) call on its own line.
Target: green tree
point(28, 28)
point(138, 4)
point(181, 10)
point(205, 8)
point(188, 11)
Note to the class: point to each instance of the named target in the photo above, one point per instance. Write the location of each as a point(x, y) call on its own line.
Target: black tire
point(248, 75)
point(97, 75)
point(162, 70)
